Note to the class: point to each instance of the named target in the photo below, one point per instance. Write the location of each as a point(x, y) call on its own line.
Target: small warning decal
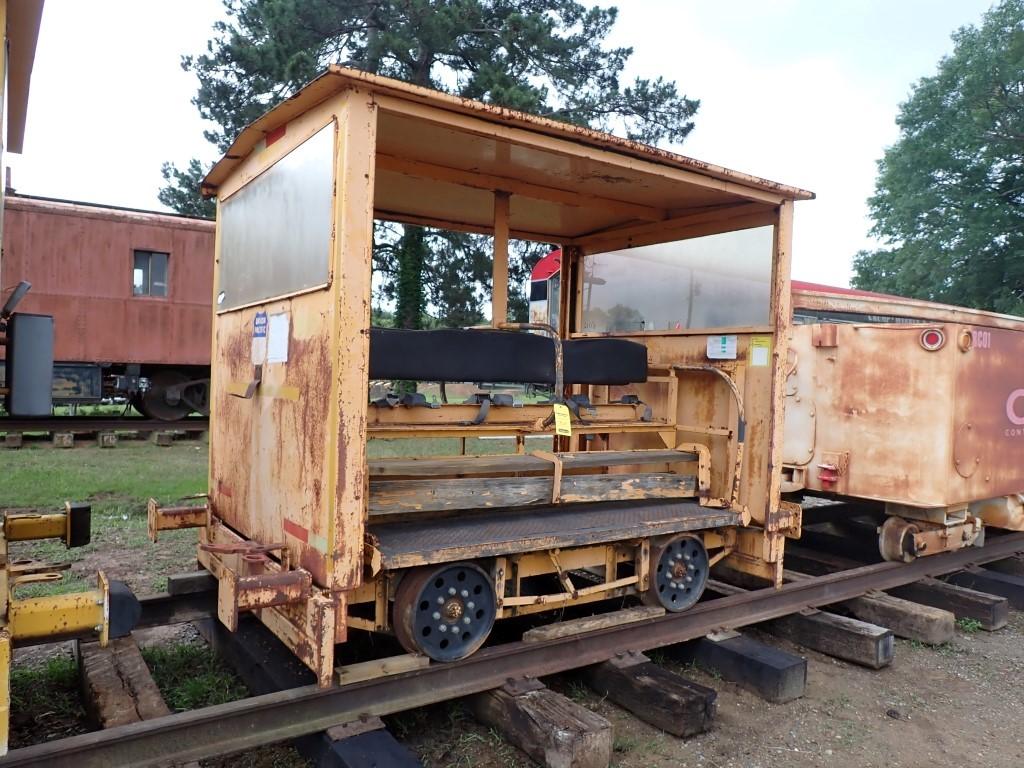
point(760, 351)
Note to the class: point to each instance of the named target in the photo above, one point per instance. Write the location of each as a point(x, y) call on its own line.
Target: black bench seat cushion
point(512, 357)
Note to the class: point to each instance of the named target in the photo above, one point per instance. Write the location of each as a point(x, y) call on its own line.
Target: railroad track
point(287, 714)
point(91, 424)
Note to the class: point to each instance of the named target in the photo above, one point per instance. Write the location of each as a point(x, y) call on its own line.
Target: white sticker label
point(259, 338)
point(277, 339)
point(721, 347)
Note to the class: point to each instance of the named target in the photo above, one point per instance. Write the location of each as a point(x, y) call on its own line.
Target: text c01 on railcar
point(664, 420)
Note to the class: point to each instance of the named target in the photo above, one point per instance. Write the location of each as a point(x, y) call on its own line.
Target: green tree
point(949, 194)
point(547, 57)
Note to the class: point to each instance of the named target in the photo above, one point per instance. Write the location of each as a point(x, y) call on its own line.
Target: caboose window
point(149, 274)
point(715, 281)
point(275, 231)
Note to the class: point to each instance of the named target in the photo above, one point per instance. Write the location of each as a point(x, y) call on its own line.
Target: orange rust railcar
point(915, 405)
point(659, 448)
point(129, 292)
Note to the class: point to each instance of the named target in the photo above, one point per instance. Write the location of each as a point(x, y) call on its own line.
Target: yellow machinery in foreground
point(656, 456)
point(110, 610)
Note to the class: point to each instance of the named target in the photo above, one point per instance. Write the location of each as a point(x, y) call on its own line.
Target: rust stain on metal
point(927, 428)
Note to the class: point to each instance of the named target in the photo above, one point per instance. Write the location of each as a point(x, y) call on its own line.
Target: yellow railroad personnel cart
point(655, 455)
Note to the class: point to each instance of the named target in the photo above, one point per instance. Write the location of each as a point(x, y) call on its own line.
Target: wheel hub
point(453, 609)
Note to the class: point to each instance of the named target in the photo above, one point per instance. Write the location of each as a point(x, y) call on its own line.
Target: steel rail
point(100, 424)
point(260, 720)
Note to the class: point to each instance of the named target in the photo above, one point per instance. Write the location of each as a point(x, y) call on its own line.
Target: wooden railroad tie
point(117, 686)
point(551, 729)
point(991, 610)
point(658, 696)
point(266, 665)
point(849, 639)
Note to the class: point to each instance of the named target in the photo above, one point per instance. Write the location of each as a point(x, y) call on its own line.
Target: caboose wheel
point(896, 540)
point(444, 612)
point(160, 401)
point(679, 573)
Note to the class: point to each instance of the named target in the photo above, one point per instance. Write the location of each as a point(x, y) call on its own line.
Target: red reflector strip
point(277, 133)
point(296, 530)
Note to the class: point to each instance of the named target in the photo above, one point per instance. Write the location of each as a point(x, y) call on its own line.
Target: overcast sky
point(801, 91)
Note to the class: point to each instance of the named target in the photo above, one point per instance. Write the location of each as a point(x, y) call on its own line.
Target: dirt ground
point(955, 705)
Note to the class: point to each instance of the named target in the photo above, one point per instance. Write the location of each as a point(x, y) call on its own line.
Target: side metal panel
point(287, 465)
point(988, 418)
point(898, 423)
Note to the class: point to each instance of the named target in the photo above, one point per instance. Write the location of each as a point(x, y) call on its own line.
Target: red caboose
point(129, 291)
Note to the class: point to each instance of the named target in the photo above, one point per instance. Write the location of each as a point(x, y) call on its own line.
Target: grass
point(968, 625)
point(448, 446)
point(45, 703)
point(446, 736)
point(190, 676)
point(117, 482)
point(111, 478)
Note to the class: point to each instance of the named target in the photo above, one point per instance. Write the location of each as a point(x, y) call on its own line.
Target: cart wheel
point(444, 612)
point(679, 573)
point(896, 540)
point(157, 402)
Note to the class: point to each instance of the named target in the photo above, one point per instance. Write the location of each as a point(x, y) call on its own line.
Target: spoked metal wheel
point(444, 612)
point(679, 573)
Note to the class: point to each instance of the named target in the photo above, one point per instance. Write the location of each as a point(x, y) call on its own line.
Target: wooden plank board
point(391, 497)
point(522, 462)
point(592, 623)
point(368, 670)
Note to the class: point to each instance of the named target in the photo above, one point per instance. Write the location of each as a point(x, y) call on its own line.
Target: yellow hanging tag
point(563, 425)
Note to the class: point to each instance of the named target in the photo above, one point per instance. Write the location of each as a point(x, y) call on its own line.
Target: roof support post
point(499, 279)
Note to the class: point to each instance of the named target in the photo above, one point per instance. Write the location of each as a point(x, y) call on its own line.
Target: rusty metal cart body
point(912, 404)
point(665, 388)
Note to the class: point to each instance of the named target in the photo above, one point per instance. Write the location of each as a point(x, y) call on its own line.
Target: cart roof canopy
point(440, 158)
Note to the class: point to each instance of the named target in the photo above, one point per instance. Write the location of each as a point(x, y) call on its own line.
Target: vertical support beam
point(350, 346)
point(5, 689)
point(781, 315)
point(499, 279)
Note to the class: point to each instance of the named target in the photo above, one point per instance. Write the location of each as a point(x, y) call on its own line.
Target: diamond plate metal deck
point(489, 533)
